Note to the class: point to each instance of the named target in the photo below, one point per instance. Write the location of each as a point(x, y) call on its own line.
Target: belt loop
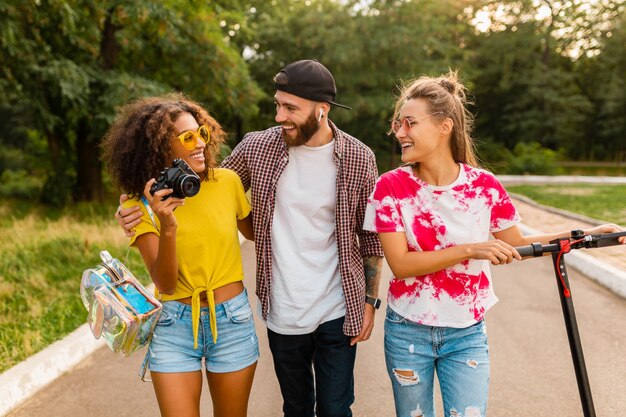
point(182, 307)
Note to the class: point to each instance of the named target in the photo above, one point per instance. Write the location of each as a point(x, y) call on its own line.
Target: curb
point(22, 381)
point(606, 275)
point(26, 378)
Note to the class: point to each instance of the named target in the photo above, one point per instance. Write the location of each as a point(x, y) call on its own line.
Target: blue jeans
point(460, 356)
point(328, 351)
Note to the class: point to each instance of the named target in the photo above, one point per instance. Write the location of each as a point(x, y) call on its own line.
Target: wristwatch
point(373, 301)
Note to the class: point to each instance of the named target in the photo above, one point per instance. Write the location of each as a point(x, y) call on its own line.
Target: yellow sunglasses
point(190, 138)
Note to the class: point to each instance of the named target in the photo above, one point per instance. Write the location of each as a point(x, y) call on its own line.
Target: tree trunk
point(54, 149)
point(58, 185)
point(89, 186)
point(109, 48)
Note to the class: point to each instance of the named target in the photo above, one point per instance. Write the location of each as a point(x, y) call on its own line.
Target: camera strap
point(144, 200)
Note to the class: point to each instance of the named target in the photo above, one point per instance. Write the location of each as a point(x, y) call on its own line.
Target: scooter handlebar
point(526, 250)
point(587, 241)
point(607, 239)
point(534, 249)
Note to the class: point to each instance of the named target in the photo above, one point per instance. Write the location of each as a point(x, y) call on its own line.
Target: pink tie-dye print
point(434, 218)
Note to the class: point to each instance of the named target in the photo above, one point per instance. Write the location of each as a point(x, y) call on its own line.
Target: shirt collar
point(340, 141)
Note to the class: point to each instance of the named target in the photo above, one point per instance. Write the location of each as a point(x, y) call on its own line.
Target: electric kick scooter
point(558, 248)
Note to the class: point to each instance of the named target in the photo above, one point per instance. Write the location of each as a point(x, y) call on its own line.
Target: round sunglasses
point(189, 139)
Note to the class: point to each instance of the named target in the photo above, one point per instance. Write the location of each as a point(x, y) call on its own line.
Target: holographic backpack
point(119, 308)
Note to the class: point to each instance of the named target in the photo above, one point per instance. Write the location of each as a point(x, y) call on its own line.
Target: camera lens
point(189, 186)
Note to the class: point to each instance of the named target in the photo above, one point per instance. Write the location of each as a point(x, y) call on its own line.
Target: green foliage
point(369, 49)
point(225, 150)
point(520, 96)
point(66, 66)
point(532, 82)
point(603, 79)
point(532, 158)
point(10, 158)
point(17, 177)
point(494, 156)
point(18, 183)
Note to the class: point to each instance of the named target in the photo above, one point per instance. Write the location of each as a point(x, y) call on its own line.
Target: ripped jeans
point(461, 357)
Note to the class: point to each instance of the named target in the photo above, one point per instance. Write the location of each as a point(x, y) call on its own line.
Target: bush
point(531, 158)
point(19, 183)
point(494, 156)
point(11, 158)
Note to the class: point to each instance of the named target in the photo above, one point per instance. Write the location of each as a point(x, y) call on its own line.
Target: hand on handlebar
point(605, 229)
point(599, 236)
point(495, 251)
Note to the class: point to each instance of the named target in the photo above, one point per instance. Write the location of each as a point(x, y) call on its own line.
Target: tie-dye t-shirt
point(437, 217)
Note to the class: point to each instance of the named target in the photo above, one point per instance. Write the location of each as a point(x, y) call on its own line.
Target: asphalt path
point(531, 365)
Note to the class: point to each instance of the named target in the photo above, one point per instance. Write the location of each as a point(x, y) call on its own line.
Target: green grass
point(42, 256)
point(598, 201)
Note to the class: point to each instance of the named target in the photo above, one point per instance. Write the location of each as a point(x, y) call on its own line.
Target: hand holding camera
point(177, 181)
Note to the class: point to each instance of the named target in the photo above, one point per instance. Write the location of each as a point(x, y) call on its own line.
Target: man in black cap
point(317, 269)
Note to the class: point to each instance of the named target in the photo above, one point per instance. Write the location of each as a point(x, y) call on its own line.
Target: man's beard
point(304, 132)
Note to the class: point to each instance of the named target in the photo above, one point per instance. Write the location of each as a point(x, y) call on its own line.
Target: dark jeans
point(329, 352)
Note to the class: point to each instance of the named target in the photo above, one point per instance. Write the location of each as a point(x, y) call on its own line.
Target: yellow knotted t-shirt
point(207, 241)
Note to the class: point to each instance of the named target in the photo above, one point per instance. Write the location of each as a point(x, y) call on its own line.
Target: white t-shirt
point(434, 217)
point(306, 284)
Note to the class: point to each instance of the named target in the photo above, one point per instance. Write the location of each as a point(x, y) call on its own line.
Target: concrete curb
point(607, 275)
point(26, 378)
point(22, 381)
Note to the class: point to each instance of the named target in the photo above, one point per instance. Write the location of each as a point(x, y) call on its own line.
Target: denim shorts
point(171, 349)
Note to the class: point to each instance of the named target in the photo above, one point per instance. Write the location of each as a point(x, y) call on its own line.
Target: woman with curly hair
point(192, 254)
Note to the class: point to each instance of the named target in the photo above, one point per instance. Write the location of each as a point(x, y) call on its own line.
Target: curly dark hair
point(138, 144)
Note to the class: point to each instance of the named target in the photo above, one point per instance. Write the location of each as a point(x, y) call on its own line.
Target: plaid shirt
point(260, 159)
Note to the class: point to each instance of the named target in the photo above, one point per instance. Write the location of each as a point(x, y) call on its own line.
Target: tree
point(601, 75)
point(368, 46)
point(528, 89)
point(67, 65)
